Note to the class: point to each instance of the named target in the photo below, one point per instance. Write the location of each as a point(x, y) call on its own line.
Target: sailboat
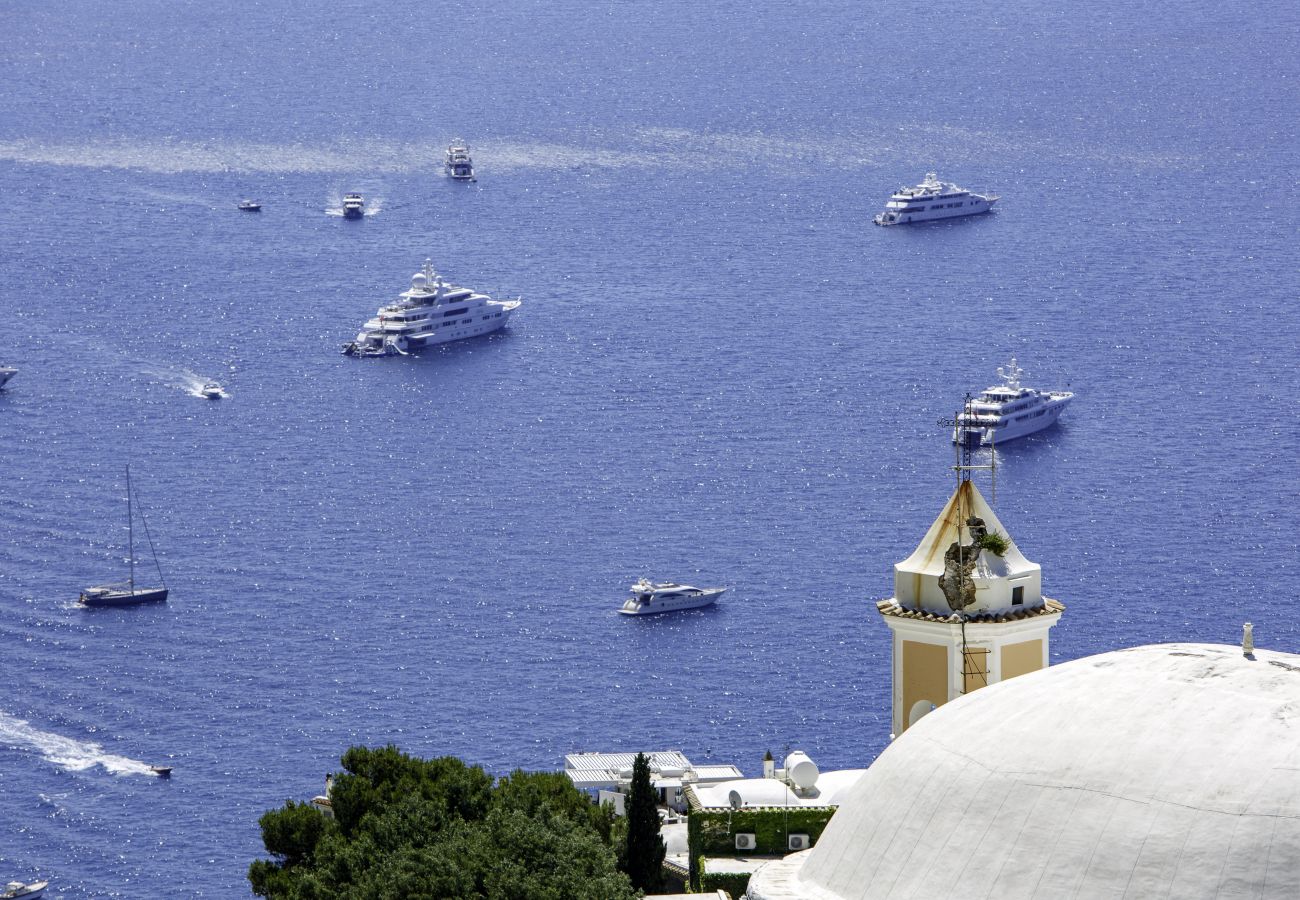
point(128, 594)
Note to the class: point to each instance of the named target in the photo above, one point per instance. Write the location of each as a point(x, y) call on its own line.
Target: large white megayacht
point(431, 312)
point(1009, 410)
point(933, 199)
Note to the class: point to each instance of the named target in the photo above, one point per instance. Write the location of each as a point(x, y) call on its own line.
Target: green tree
point(642, 854)
point(412, 828)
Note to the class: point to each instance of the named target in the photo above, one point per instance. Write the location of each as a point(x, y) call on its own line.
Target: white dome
point(1162, 771)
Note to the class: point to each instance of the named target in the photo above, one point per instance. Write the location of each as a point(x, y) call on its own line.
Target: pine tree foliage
point(642, 854)
point(414, 828)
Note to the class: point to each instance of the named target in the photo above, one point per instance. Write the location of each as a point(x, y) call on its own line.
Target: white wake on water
point(66, 753)
point(182, 379)
point(651, 148)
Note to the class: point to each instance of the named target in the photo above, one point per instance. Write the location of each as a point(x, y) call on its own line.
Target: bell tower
point(967, 611)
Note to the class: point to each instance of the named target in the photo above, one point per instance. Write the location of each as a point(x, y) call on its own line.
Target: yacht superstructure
point(649, 598)
point(933, 199)
point(430, 312)
point(1009, 410)
point(458, 164)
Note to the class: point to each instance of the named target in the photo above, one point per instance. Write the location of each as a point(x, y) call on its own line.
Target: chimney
point(769, 765)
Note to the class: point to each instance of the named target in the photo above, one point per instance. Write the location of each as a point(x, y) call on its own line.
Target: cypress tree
point(643, 853)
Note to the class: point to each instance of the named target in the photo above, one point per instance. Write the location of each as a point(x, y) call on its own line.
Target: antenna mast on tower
point(964, 465)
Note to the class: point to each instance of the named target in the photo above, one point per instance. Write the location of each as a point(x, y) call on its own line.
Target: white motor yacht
point(649, 598)
point(211, 390)
point(933, 199)
point(354, 206)
point(17, 889)
point(458, 164)
point(431, 312)
point(1009, 410)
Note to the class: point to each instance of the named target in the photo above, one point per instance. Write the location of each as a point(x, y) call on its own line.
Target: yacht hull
point(1037, 421)
point(888, 219)
point(416, 343)
point(676, 604)
point(123, 598)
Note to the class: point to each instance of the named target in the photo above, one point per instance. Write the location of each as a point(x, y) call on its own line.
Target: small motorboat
point(162, 771)
point(15, 889)
point(6, 372)
point(458, 164)
point(354, 206)
point(250, 205)
point(211, 390)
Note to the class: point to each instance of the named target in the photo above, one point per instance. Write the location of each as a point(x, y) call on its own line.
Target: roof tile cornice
point(1049, 607)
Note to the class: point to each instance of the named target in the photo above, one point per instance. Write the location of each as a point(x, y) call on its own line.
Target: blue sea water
point(722, 373)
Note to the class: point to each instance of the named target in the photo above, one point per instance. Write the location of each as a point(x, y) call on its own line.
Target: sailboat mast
point(130, 532)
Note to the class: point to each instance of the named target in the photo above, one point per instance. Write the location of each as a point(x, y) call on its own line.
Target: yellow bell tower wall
point(1018, 659)
point(925, 676)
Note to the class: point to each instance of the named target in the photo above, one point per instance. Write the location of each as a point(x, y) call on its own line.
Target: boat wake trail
point(180, 379)
point(66, 753)
point(652, 148)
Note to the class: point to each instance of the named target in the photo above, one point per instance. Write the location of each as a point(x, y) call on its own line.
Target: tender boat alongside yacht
point(458, 164)
point(354, 206)
point(432, 312)
point(649, 598)
point(1009, 410)
point(933, 199)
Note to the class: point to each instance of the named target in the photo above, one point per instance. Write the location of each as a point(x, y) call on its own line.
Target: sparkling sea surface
point(722, 373)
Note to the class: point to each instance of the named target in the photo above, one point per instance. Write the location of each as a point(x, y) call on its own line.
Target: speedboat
point(1008, 410)
point(6, 372)
point(354, 206)
point(650, 598)
point(432, 312)
point(933, 199)
point(211, 390)
point(250, 206)
point(458, 164)
point(15, 889)
point(162, 771)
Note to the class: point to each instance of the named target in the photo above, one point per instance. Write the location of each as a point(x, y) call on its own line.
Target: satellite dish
point(734, 799)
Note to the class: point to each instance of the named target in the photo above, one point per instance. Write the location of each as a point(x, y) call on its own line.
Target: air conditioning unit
point(746, 842)
point(800, 842)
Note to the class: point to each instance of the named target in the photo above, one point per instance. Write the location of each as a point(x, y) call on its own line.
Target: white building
point(799, 783)
point(608, 775)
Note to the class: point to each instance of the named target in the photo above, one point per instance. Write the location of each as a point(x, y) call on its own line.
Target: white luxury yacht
point(354, 206)
point(431, 312)
point(459, 165)
point(932, 199)
point(648, 599)
point(1009, 410)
